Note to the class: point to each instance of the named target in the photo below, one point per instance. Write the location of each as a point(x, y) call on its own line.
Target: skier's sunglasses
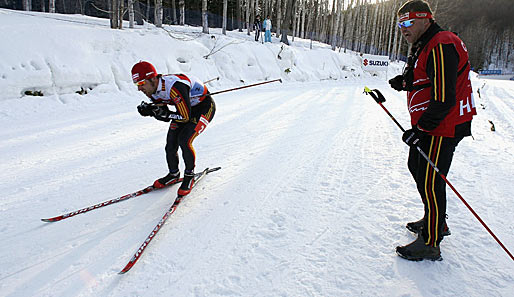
point(140, 83)
point(405, 24)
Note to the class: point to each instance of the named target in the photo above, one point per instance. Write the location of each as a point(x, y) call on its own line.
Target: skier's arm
point(442, 68)
point(180, 95)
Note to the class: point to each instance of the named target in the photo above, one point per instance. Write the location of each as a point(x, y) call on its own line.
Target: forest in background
point(366, 26)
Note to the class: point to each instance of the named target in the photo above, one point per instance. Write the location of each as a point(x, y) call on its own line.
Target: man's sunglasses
point(140, 83)
point(405, 24)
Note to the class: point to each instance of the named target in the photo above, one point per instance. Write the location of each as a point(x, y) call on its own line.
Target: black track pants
point(183, 134)
point(431, 187)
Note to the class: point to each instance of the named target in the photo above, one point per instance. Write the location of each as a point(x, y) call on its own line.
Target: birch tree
point(247, 6)
point(158, 13)
point(205, 21)
point(335, 24)
point(51, 6)
point(182, 9)
point(279, 16)
point(131, 13)
point(224, 29)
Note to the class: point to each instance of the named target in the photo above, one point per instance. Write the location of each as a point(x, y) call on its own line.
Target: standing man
point(441, 107)
point(194, 110)
point(267, 28)
point(257, 27)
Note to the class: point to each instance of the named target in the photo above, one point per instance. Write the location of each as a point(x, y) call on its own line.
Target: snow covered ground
point(313, 193)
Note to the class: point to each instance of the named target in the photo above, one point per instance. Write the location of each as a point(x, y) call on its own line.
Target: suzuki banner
point(375, 63)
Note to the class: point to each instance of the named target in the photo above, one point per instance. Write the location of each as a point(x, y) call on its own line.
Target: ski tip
point(49, 220)
point(213, 169)
point(367, 90)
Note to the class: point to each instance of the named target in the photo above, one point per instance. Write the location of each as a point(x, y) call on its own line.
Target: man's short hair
point(414, 6)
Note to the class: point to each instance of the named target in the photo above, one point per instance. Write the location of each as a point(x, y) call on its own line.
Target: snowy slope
point(311, 200)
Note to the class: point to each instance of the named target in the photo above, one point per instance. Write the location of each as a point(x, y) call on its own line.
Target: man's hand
point(412, 136)
point(397, 83)
point(162, 113)
point(146, 109)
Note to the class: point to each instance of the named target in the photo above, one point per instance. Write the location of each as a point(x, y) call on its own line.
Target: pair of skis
point(152, 234)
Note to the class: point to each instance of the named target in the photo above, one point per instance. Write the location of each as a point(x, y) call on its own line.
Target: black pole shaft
point(244, 87)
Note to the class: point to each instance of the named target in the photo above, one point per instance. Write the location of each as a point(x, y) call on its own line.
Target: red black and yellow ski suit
point(194, 110)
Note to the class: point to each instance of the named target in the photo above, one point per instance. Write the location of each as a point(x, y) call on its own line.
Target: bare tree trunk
point(248, 30)
point(348, 32)
point(147, 10)
point(279, 16)
point(308, 28)
point(224, 29)
point(335, 24)
point(182, 9)
point(27, 5)
point(131, 13)
point(158, 13)
point(295, 20)
point(114, 14)
point(373, 42)
point(340, 34)
point(238, 15)
point(121, 9)
point(302, 26)
point(51, 6)
point(288, 20)
point(173, 12)
point(205, 21)
point(391, 25)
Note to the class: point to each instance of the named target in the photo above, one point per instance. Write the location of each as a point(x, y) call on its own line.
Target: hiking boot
point(187, 184)
point(167, 180)
point(418, 250)
point(415, 227)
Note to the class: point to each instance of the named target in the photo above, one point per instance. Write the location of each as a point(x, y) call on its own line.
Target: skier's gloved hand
point(146, 109)
point(162, 113)
point(397, 83)
point(412, 136)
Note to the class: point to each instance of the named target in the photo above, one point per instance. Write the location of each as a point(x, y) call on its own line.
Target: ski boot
point(187, 183)
point(162, 182)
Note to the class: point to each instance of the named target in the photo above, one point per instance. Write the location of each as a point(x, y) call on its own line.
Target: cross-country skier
point(194, 110)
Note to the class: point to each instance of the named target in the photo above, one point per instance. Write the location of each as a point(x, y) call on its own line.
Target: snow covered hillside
point(311, 200)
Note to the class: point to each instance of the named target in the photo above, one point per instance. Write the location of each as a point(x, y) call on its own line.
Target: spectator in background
point(257, 27)
point(267, 29)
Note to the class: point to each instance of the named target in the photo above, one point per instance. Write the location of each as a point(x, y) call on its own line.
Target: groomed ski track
point(311, 201)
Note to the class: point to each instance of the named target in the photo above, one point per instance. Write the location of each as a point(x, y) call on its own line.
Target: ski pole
point(213, 79)
point(379, 98)
point(219, 92)
point(243, 87)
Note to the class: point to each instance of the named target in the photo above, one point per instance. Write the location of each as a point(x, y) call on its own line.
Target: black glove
point(378, 97)
point(162, 113)
point(397, 83)
point(412, 136)
point(146, 109)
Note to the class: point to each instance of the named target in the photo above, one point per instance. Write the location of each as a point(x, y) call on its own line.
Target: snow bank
point(53, 54)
